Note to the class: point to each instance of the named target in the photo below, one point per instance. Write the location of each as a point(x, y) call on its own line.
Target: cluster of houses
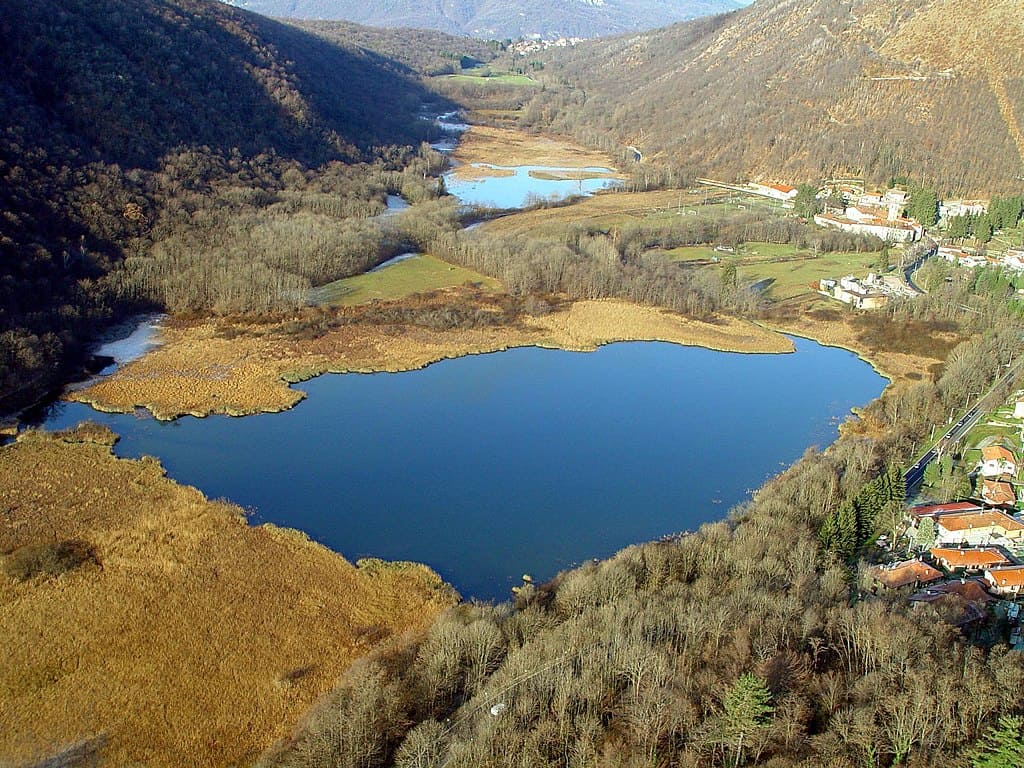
point(971, 552)
point(535, 43)
point(1011, 259)
point(871, 292)
point(871, 213)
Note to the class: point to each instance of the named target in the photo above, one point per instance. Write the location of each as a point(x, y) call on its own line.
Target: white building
point(782, 192)
point(949, 208)
point(1007, 581)
point(870, 221)
point(996, 461)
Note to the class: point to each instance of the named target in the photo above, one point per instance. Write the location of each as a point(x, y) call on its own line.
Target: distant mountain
point(501, 19)
point(799, 89)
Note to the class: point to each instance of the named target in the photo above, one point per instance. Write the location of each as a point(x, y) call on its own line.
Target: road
point(913, 476)
point(915, 254)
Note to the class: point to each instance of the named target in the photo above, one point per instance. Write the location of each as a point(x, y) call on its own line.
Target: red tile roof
point(952, 557)
point(1007, 576)
point(944, 509)
point(997, 452)
point(908, 572)
point(998, 492)
point(971, 590)
point(989, 518)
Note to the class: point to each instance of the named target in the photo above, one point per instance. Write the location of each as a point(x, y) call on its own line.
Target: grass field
point(490, 76)
point(419, 274)
point(999, 424)
point(604, 210)
point(792, 278)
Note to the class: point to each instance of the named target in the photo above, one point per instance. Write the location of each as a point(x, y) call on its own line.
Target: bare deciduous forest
point(805, 90)
point(632, 661)
point(139, 130)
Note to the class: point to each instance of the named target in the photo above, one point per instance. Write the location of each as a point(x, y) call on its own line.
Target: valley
point(358, 500)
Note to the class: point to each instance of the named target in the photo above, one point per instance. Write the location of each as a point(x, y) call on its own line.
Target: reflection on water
point(517, 186)
point(530, 460)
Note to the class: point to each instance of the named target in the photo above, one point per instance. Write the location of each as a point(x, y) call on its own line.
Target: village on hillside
point(965, 557)
point(844, 204)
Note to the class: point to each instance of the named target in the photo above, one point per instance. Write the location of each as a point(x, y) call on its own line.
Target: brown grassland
point(187, 637)
point(901, 361)
point(208, 367)
point(487, 144)
point(604, 209)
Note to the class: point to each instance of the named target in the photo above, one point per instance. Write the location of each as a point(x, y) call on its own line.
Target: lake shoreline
point(174, 580)
point(197, 372)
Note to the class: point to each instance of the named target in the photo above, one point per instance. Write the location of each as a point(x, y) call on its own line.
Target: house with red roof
point(935, 510)
point(967, 559)
point(1005, 581)
point(998, 493)
point(990, 526)
point(782, 192)
point(907, 573)
point(996, 461)
point(959, 602)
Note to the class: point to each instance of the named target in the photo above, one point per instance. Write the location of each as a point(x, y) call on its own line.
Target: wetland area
point(483, 452)
point(489, 466)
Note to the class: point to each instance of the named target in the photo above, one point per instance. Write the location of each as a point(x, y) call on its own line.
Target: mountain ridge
point(500, 19)
point(799, 89)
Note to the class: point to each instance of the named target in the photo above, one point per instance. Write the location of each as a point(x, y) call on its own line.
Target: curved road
point(917, 253)
point(913, 476)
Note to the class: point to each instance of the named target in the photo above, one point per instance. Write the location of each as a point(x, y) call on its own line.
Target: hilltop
point(805, 88)
point(498, 19)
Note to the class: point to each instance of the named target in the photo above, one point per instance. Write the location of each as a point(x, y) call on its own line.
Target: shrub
point(47, 559)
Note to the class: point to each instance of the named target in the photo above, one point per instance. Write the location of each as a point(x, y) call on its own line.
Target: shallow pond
point(527, 461)
point(519, 185)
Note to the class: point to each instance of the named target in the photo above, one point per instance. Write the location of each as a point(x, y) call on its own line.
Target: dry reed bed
point(196, 639)
point(503, 146)
point(198, 371)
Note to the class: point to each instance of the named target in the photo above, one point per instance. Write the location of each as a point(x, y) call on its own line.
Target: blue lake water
point(527, 461)
point(517, 190)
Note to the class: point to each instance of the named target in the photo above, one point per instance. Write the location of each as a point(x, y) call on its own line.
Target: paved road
point(913, 476)
point(917, 253)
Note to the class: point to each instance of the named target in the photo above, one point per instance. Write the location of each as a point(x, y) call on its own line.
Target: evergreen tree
point(923, 205)
point(959, 227)
point(748, 708)
point(1002, 746)
point(845, 544)
point(806, 203)
point(925, 537)
point(983, 229)
point(882, 264)
point(729, 276)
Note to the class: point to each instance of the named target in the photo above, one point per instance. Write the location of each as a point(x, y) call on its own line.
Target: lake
point(526, 461)
point(517, 186)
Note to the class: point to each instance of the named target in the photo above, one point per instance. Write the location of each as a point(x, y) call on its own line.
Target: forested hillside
point(501, 19)
point(130, 122)
point(800, 89)
point(751, 642)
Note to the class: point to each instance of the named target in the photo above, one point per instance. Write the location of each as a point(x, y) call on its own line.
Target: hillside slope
point(115, 106)
point(501, 19)
point(797, 89)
